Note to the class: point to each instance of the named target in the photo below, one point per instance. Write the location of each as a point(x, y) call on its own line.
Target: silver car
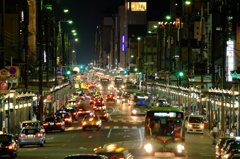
point(31, 136)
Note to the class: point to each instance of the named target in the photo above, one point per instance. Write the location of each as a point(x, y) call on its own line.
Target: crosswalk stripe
point(134, 127)
point(79, 127)
point(107, 127)
point(125, 127)
point(116, 127)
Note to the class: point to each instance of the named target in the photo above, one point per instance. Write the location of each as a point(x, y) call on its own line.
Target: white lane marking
point(79, 127)
point(141, 139)
point(109, 133)
point(116, 127)
point(70, 128)
point(125, 127)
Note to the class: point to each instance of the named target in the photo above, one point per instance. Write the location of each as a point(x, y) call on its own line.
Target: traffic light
point(69, 72)
point(125, 72)
point(180, 74)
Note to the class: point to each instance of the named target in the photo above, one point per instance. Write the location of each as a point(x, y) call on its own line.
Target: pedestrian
point(214, 133)
point(227, 131)
point(234, 130)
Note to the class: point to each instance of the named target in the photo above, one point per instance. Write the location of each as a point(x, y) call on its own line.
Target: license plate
point(30, 136)
point(51, 123)
point(194, 130)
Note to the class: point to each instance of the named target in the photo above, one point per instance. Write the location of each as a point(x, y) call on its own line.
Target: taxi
point(113, 151)
point(8, 145)
point(91, 121)
point(110, 97)
point(102, 114)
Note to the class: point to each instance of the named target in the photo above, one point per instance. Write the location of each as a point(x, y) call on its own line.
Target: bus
point(140, 104)
point(118, 82)
point(105, 82)
point(164, 131)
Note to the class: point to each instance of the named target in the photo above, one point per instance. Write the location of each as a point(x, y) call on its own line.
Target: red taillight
point(83, 123)
point(88, 111)
point(21, 135)
point(68, 119)
point(45, 124)
point(39, 135)
point(10, 147)
point(74, 113)
point(105, 114)
point(58, 123)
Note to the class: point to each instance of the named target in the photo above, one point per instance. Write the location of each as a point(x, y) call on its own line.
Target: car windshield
point(196, 119)
point(4, 139)
point(165, 127)
point(29, 131)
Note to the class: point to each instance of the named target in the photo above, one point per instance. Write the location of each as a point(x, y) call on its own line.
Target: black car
point(73, 112)
point(8, 145)
point(220, 143)
point(231, 149)
point(66, 116)
point(54, 123)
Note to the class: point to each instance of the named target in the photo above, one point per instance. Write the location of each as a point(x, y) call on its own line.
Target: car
point(102, 114)
point(233, 147)
point(83, 111)
point(236, 156)
point(225, 145)
point(54, 123)
point(110, 97)
point(91, 121)
point(98, 102)
point(113, 151)
point(85, 156)
point(220, 143)
point(30, 123)
point(74, 113)
point(8, 145)
point(66, 116)
point(31, 136)
point(99, 107)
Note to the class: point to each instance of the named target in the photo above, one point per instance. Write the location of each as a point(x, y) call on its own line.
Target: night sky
point(86, 15)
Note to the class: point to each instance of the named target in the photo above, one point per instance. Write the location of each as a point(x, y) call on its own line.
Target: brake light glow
point(21, 136)
point(58, 123)
point(39, 135)
point(10, 147)
point(67, 119)
point(45, 124)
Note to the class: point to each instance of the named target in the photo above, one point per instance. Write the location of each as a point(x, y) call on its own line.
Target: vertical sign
point(230, 55)
point(123, 43)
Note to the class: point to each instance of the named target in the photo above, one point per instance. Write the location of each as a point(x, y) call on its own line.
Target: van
point(30, 123)
point(195, 124)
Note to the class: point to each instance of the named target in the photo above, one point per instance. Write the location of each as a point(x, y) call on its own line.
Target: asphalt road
point(123, 129)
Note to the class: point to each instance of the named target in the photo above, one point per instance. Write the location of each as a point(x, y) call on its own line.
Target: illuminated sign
point(165, 114)
point(230, 63)
point(123, 43)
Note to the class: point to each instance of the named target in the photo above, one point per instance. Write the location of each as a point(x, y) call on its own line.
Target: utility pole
point(2, 47)
point(40, 56)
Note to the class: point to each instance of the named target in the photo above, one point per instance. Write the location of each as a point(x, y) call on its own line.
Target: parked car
point(85, 156)
point(54, 123)
point(31, 136)
point(232, 148)
point(8, 145)
point(220, 143)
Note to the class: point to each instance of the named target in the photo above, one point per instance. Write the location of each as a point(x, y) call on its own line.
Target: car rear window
point(30, 131)
point(4, 139)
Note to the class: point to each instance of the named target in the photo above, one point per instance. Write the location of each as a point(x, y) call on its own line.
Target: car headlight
point(226, 156)
point(180, 148)
point(134, 111)
point(190, 125)
point(202, 126)
point(148, 148)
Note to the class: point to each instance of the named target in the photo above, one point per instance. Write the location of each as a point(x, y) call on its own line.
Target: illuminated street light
point(65, 10)
point(73, 31)
point(74, 34)
point(76, 39)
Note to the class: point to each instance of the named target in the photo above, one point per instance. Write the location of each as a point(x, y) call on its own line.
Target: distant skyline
point(86, 15)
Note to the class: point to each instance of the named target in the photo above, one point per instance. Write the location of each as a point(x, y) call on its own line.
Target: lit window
point(138, 6)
